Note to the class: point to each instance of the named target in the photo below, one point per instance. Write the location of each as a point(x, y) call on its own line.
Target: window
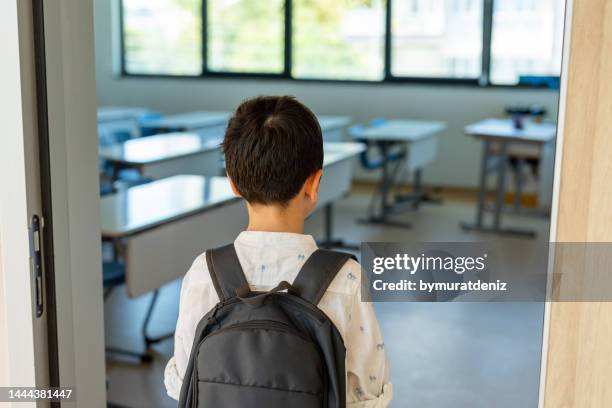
point(436, 38)
point(499, 42)
point(162, 37)
point(338, 39)
point(527, 39)
point(246, 36)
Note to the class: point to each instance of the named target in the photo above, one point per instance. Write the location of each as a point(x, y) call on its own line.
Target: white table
point(163, 225)
point(338, 165)
point(166, 154)
point(160, 227)
point(497, 136)
point(120, 118)
point(204, 123)
point(420, 138)
point(333, 127)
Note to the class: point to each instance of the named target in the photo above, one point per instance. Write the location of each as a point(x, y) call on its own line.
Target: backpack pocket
point(260, 363)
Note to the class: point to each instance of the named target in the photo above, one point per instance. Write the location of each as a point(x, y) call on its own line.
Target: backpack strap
point(318, 272)
point(225, 271)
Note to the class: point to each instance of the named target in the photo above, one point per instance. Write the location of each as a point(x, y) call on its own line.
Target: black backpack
point(267, 349)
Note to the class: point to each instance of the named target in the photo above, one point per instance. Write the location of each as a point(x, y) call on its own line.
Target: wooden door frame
point(554, 217)
point(578, 342)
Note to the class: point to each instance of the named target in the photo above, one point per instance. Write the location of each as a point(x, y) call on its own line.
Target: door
point(27, 315)
point(49, 169)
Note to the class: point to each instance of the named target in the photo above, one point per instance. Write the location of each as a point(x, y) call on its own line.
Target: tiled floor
point(441, 354)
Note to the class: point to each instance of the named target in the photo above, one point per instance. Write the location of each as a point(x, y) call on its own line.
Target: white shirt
point(268, 258)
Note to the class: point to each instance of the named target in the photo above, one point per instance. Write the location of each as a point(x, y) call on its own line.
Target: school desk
point(166, 154)
point(332, 127)
point(497, 137)
point(160, 227)
point(339, 160)
point(205, 123)
point(120, 118)
point(419, 139)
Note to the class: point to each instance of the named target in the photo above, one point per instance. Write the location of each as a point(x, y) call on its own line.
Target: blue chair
point(389, 160)
point(369, 163)
point(142, 123)
point(113, 275)
point(377, 122)
point(120, 136)
point(105, 187)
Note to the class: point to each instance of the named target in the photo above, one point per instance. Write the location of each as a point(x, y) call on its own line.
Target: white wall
point(4, 356)
point(459, 156)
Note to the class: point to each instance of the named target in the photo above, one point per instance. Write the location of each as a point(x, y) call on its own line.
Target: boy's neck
point(272, 218)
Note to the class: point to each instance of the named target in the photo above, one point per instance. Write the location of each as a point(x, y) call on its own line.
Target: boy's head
point(274, 152)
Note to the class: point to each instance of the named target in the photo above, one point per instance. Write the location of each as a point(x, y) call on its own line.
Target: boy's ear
point(234, 189)
point(312, 185)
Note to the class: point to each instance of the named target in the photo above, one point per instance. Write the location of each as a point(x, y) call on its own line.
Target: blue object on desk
point(546, 81)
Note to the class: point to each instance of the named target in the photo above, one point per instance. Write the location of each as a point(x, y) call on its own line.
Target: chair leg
point(149, 340)
point(107, 292)
point(145, 356)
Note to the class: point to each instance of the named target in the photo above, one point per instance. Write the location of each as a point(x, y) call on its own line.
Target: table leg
point(501, 185)
point(482, 185)
point(518, 183)
point(330, 241)
point(386, 181)
point(499, 197)
point(417, 196)
point(148, 339)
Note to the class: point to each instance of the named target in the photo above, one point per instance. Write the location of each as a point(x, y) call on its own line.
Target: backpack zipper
point(293, 301)
point(262, 324)
point(269, 324)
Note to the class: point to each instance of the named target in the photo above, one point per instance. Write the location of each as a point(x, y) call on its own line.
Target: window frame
point(388, 78)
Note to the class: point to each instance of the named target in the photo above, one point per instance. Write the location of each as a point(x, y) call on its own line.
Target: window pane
point(338, 39)
point(162, 36)
point(527, 39)
point(437, 38)
point(246, 35)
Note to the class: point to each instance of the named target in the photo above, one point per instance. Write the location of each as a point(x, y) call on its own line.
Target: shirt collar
point(277, 239)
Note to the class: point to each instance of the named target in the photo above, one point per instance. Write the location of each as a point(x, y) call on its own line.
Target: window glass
point(436, 38)
point(246, 36)
point(338, 39)
point(527, 39)
point(162, 37)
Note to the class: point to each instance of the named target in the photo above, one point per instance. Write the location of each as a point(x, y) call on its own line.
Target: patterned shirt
point(266, 259)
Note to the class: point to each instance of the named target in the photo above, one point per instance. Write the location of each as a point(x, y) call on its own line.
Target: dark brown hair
point(272, 145)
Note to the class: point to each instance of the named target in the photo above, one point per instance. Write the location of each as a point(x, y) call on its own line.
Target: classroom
point(441, 124)
point(426, 98)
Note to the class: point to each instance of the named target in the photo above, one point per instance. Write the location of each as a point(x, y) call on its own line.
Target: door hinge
point(37, 263)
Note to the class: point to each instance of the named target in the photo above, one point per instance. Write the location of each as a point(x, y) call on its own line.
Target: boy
point(274, 157)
